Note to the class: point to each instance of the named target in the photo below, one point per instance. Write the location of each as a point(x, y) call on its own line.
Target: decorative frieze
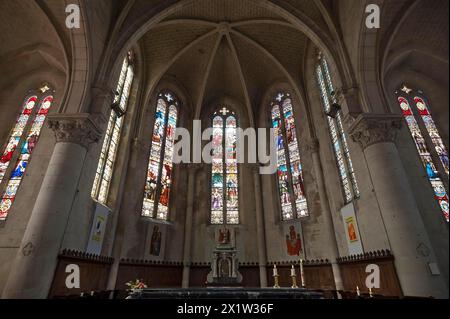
point(74, 128)
point(370, 129)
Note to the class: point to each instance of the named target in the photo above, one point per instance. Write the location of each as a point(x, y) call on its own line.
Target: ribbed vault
point(218, 49)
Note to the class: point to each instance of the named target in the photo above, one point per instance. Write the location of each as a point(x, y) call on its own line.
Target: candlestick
point(294, 278)
point(276, 277)
point(302, 274)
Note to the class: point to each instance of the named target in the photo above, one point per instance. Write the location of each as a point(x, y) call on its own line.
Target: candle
point(358, 292)
point(275, 271)
point(292, 271)
point(302, 274)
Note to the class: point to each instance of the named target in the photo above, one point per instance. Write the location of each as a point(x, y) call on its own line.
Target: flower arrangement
point(137, 284)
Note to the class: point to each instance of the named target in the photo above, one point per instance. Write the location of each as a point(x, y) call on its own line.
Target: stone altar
point(224, 265)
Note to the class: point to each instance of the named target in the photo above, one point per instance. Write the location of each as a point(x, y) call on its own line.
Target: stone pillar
point(312, 148)
point(34, 267)
point(192, 171)
point(260, 228)
point(408, 239)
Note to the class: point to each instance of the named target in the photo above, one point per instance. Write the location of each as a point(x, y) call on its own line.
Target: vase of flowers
point(135, 286)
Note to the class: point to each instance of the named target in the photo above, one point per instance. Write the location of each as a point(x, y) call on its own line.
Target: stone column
point(312, 147)
point(409, 241)
point(260, 228)
point(192, 171)
point(34, 267)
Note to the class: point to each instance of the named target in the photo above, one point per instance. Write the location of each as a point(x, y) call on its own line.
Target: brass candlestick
point(294, 278)
point(276, 277)
point(294, 282)
point(302, 274)
point(277, 283)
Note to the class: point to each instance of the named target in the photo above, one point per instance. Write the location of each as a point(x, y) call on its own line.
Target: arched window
point(290, 172)
point(426, 140)
point(44, 100)
point(105, 166)
point(224, 188)
point(336, 128)
point(159, 173)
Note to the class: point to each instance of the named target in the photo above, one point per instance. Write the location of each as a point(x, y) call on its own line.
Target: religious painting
point(155, 244)
point(224, 236)
point(98, 229)
point(293, 242)
point(351, 229)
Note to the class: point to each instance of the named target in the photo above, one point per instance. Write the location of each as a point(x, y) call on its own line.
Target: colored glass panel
point(426, 158)
point(110, 147)
point(16, 134)
point(225, 191)
point(23, 161)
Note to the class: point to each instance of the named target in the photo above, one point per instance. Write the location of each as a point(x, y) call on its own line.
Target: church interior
point(97, 97)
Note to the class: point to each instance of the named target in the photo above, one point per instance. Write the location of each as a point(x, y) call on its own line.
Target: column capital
point(310, 146)
point(74, 128)
point(370, 129)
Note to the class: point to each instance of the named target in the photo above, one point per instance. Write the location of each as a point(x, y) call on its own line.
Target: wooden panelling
point(250, 276)
point(198, 276)
point(353, 271)
point(317, 276)
point(153, 275)
point(94, 272)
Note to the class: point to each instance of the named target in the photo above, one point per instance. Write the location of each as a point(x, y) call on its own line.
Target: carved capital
point(370, 129)
point(311, 146)
point(74, 128)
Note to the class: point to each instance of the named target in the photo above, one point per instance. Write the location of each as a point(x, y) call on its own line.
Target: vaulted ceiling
point(230, 48)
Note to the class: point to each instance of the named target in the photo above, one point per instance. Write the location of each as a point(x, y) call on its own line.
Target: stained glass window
point(290, 171)
point(224, 188)
point(110, 146)
point(26, 149)
point(159, 174)
point(433, 173)
point(433, 132)
point(16, 134)
point(338, 136)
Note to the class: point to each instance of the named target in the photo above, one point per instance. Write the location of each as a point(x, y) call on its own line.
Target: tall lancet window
point(290, 172)
point(224, 188)
point(430, 147)
point(36, 105)
point(159, 174)
point(336, 128)
point(105, 166)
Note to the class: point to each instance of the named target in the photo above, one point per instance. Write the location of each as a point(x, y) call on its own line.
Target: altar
point(227, 293)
